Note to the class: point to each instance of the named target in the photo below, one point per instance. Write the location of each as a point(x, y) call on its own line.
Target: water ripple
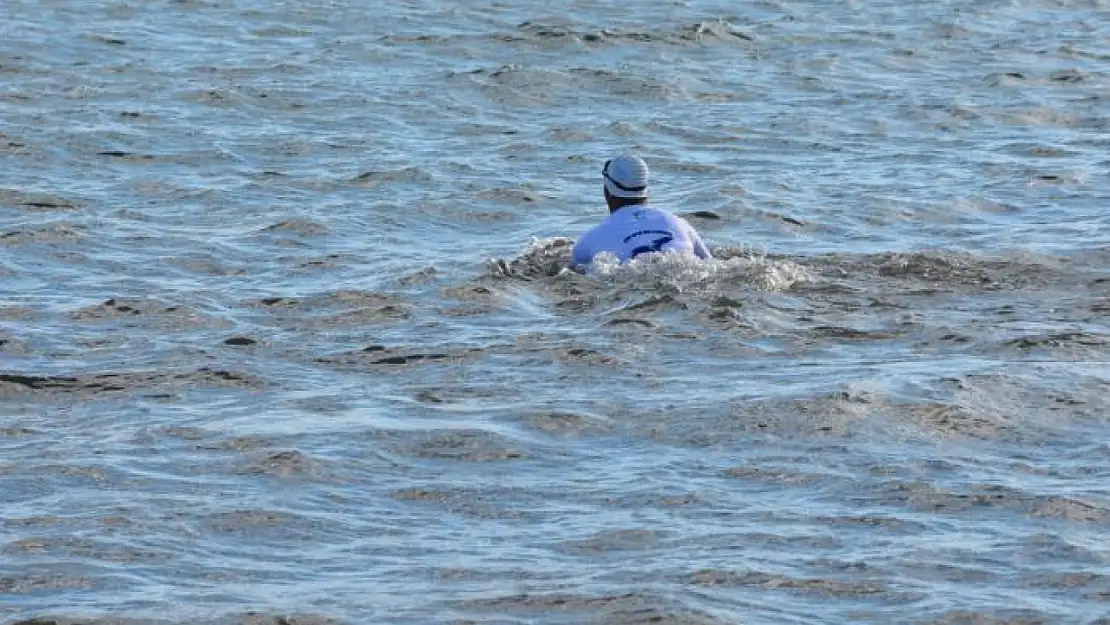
point(288, 334)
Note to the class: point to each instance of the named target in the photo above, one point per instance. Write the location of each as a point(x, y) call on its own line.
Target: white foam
point(689, 273)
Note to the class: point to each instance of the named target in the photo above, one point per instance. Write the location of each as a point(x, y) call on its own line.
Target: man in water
point(634, 227)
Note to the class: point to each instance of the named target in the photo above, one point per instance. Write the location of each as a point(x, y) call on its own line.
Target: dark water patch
point(401, 357)
point(516, 196)
point(1030, 408)
point(246, 618)
point(35, 583)
point(106, 39)
point(625, 85)
point(1071, 509)
point(62, 547)
point(631, 323)
point(663, 615)
point(185, 433)
point(147, 311)
point(558, 601)
point(1058, 339)
point(405, 174)
point(406, 359)
point(1036, 116)
point(612, 541)
point(940, 272)
point(41, 201)
point(12, 346)
point(456, 211)
point(535, 87)
point(426, 275)
point(238, 443)
point(336, 309)
point(357, 317)
point(126, 382)
point(10, 145)
point(570, 35)
point(14, 96)
point(1036, 151)
point(954, 421)
point(297, 225)
point(703, 214)
point(474, 293)
point(428, 397)
point(467, 310)
point(813, 541)
point(852, 334)
point(986, 498)
point(999, 617)
point(478, 130)
point(1068, 76)
point(576, 305)
point(84, 473)
point(624, 609)
point(987, 205)
point(570, 134)
point(1004, 79)
point(38, 521)
point(262, 618)
point(349, 298)
point(125, 155)
point(17, 313)
point(118, 307)
point(724, 301)
point(716, 97)
point(774, 476)
point(207, 265)
point(460, 393)
point(256, 520)
point(280, 302)
point(656, 303)
point(830, 587)
point(873, 523)
point(585, 355)
point(468, 502)
point(1053, 546)
point(466, 445)
point(567, 423)
point(57, 232)
point(280, 463)
point(454, 573)
point(834, 414)
point(698, 32)
point(932, 268)
point(794, 221)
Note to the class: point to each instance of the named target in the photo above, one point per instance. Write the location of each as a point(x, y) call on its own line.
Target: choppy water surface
point(284, 335)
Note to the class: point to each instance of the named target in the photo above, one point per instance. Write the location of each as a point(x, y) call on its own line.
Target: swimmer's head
point(626, 180)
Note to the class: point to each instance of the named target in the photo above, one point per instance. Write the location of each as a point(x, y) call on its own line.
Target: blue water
point(284, 335)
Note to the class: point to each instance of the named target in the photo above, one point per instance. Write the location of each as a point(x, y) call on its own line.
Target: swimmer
point(634, 227)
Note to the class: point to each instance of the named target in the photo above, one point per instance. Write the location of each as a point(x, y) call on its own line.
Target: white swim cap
point(626, 176)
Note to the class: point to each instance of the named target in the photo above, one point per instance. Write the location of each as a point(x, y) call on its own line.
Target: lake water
point(284, 335)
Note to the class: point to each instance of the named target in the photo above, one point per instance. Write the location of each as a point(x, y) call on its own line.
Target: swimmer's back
point(639, 229)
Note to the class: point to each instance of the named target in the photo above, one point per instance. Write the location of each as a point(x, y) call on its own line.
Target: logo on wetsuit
point(662, 238)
